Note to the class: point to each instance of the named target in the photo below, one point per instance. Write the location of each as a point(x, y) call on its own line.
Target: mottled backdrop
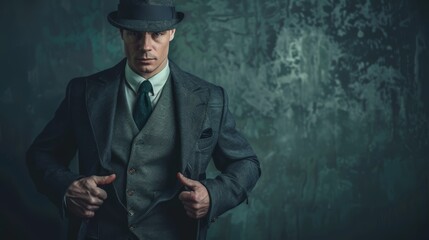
point(332, 94)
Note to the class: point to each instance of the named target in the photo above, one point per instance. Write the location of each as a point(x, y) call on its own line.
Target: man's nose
point(146, 41)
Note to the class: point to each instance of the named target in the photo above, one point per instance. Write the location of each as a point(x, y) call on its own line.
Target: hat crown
point(145, 15)
point(168, 3)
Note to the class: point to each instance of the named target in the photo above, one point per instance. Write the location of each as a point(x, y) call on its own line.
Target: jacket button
point(132, 171)
point(131, 227)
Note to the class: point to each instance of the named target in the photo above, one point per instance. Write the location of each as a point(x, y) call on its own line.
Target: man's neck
point(153, 73)
point(134, 79)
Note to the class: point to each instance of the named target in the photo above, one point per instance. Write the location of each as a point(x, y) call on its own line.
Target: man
point(145, 132)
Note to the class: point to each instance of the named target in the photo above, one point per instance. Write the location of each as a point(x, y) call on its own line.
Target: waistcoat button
point(130, 192)
point(131, 212)
point(132, 171)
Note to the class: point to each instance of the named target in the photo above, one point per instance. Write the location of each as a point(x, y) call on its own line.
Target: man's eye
point(157, 34)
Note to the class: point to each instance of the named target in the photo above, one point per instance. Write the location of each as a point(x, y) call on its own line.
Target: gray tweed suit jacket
point(83, 123)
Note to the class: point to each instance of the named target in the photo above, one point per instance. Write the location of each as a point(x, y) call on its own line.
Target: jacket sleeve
point(49, 155)
point(238, 164)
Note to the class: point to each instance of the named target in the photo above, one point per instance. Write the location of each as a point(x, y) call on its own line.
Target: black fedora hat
point(145, 15)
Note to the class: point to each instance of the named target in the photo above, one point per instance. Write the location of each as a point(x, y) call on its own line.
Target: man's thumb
point(186, 181)
point(103, 180)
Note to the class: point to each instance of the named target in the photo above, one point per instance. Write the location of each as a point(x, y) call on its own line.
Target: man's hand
point(84, 197)
point(196, 199)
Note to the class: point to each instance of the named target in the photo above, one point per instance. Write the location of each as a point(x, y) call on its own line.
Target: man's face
point(147, 52)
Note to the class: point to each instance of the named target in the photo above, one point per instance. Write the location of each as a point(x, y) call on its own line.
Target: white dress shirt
point(133, 81)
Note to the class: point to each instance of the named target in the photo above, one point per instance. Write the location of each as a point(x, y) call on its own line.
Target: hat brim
point(144, 26)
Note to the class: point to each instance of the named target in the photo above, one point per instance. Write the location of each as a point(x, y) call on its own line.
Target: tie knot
point(145, 87)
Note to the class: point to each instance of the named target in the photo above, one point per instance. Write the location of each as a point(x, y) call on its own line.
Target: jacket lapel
point(101, 99)
point(191, 103)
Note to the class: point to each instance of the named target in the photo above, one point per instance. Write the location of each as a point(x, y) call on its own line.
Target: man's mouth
point(145, 61)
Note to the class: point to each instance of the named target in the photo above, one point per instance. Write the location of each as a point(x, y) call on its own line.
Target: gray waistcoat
point(146, 163)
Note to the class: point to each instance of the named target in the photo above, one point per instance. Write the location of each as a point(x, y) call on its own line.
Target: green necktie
point(143, 107)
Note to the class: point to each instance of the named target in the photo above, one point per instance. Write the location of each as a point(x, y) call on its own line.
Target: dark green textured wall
point(332, 94)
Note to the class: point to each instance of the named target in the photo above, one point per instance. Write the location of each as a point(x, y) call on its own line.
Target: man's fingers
point(87, 214)
point(84, 197)
point(86, 204)
point(190, 212)
point(187, 196)
point(81, 209)
point(188, 200)
point(192, 206)
point(100, 193)
point(188, 182)
point(92, 207)
point(103, 180)
point(195, 202)
point(94, 201)
point(194, 213)
point(71, 202)
point(88, 199)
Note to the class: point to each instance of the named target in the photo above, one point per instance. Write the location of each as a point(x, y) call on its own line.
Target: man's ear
point(121, 32)
point(172, 32)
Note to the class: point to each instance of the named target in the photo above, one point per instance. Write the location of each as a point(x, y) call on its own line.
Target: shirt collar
point(158, 80)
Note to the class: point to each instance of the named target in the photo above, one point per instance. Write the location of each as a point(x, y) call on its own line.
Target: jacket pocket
point(204, 143)
point(207, 133)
